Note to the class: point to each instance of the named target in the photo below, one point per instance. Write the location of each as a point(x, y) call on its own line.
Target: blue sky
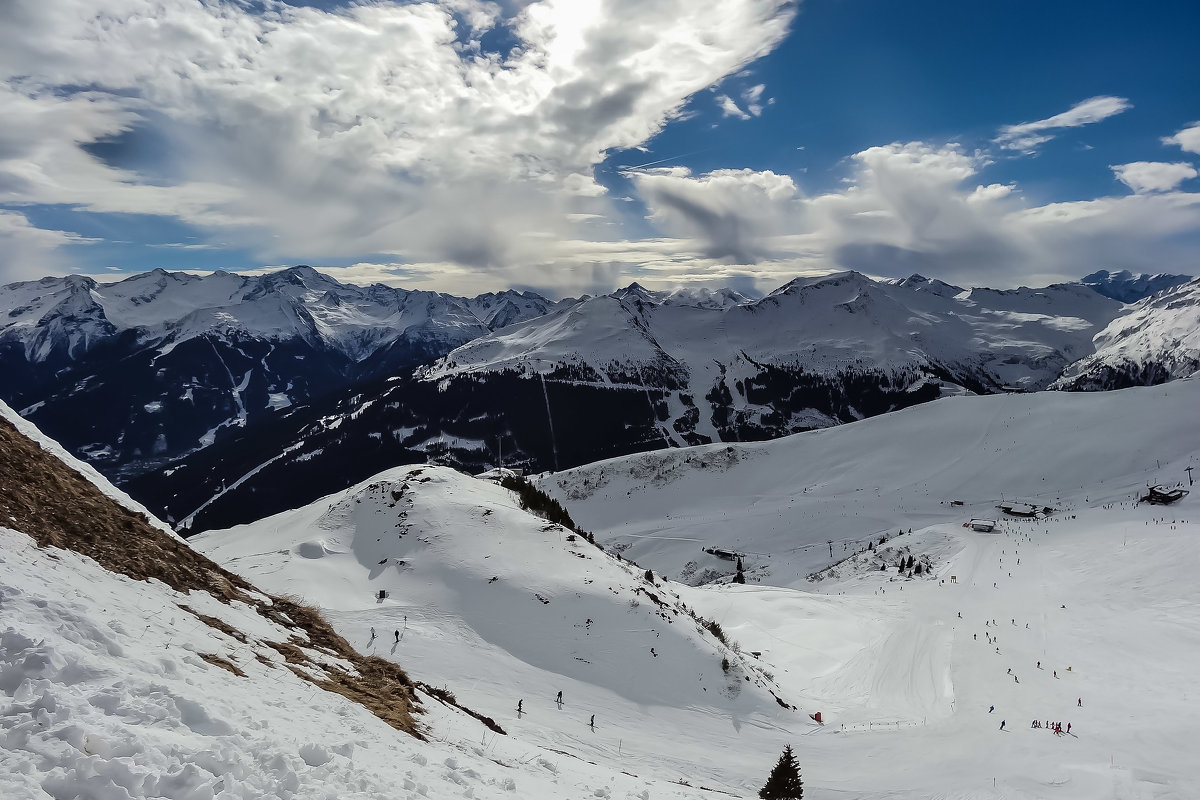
point(573, 146)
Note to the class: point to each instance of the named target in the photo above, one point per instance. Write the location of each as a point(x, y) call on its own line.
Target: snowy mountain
point(171, 362)
point(1129, 288)
point(1090, 619)
point(816, 352)
point(1156, 341)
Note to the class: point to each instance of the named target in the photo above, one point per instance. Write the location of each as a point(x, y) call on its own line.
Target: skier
point(991, 709)
point(592, 724)
point(1079, 702)
point(1068, 727)
point(397, 635)
point(372, 634)
point(520, 703)
point(1001, 724)
point(559, 699)
point(1039, 665)
point(1056, 673)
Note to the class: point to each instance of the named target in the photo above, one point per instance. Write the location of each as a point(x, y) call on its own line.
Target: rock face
point(1156, 341)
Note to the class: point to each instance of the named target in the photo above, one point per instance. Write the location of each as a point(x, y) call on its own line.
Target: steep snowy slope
point(141, 670)
point(781, 502)
point(1156, 341)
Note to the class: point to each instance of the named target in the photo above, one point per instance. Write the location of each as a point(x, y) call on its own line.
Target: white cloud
point(917, 207)
point(1188, 138)
point(1028, 135)
point(752, 97)
point(1153, 176)
point(379, 127)
point(28, 252)
point(729, 108)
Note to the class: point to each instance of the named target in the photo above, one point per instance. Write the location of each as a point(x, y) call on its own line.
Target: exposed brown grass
point(222, 662)
point(219, 624)
point(56, 506)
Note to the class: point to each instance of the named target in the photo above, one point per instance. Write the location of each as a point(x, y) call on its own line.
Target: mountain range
point(215, 399)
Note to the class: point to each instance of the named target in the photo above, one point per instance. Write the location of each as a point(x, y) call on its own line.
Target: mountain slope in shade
point(1158, 340)
point(1129, 288)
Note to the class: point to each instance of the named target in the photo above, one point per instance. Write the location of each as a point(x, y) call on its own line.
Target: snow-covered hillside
point(471, 579)
point(1088, 617)
point(1094, 604)
point(1157, 340)
point(781, 502)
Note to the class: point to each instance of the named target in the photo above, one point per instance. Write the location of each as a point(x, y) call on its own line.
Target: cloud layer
point(384, 127)
point(452, 144)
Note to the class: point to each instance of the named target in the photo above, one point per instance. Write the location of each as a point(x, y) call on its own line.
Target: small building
point(1021, 509)
point(728, 555)
point(1162, 497)
point(983, 525)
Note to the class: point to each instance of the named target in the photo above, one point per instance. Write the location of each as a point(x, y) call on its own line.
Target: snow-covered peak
point(70, 315)
point(702, 297)
point(1127, 287)
point(824, 325)
point(1156, 341)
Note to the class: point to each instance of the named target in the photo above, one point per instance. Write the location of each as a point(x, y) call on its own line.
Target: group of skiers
point(558, 701)
point(1057, 727)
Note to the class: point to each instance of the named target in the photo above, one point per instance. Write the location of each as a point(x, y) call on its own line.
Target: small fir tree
point(784, 782)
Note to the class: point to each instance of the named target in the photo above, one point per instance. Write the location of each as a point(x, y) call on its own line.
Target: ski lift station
point(983, 525)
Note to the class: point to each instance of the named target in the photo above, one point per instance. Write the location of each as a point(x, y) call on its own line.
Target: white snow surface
point(104, 696)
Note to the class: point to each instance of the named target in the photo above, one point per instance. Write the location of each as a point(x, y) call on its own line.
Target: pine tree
point(784, 782)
